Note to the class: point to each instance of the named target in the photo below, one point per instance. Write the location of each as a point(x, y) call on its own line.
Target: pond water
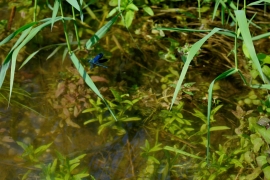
point(51, 103)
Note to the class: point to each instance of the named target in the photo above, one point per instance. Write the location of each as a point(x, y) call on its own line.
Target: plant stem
point(76, 28)
point(35, 11)
point(65, 28)
point(199, 8)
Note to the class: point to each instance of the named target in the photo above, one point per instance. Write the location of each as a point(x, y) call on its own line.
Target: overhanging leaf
point(89, 81)
point(193, 51)
point(100, 33)
point(55, 10)
point(244, 29)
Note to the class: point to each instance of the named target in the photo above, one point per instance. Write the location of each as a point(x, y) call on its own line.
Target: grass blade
point(224, 31)
point(88, 80)
point(18, 31)
point(3, 72)
point(100, 33)
point(210, 94)
point(169, 148)
point(243, 26)
point(29, 58)
point(54, 52)
point(193, 50)
point(74, 4)
point(55, 10)
point(28, 37)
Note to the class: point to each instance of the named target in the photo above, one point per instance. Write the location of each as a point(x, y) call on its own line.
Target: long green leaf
point(15, 53)
point(4, 69)
point(55, 10)
point(215, 9)
point(210, 94)
point(224, 31)
point(265, 35)
point(244, 29)
point(100, 33)
point(46, 47)
point(18, 31)
point(74, 4)
point(193, 51)
point(169, 148)
point(29, 36)
point(29, 58)
point(88, 80)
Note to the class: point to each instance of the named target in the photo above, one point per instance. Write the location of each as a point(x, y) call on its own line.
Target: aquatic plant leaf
point(257, 142)
point(73, 166)
point(193, 51)
point(65, 52)
point(42, 148)
point(152, 158)
point(29, 58)
point(112, 12)
point(148, 10)
point(215, 9)
point(3, 70)
point(77, 159)
point(130, 119)
point(34, 53)
point(89, 121)
point(53, 166)
point(219, 128)
point(243, 26)
point(105, 125)
point(24, 146)
point(261, 36)
point(55, 10)
point(224, 31)
point(80, 175)
point(255, 173)
point(261, 160)
point(26, 36)
point(237, 163)
point(54, 52)
point(209, 104)
point(258, 2)
point(200, 115)
point(100, 33)
point(116, 95)
point(74, 4)
point(169, 148)
point(263, 132)
point(129, 16)
point(18, 31)
point(261, 86)
point(25, 176)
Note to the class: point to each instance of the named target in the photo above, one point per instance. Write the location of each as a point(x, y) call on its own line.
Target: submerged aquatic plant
point(121, 106)
point(61, 168)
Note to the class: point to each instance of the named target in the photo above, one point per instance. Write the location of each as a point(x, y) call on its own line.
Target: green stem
point(35, 10)
point(235, 42)
point(199, 8)
point(90, 12)
point(65, 28)
point(76, 28)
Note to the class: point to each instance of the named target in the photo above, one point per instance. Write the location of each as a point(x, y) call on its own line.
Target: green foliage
point(121, 106)
point(147, 150)
point(30, 153)
point(175, 123)
point(61, 168)
point(129, 10)
point(65, 169)
point(148, 153)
